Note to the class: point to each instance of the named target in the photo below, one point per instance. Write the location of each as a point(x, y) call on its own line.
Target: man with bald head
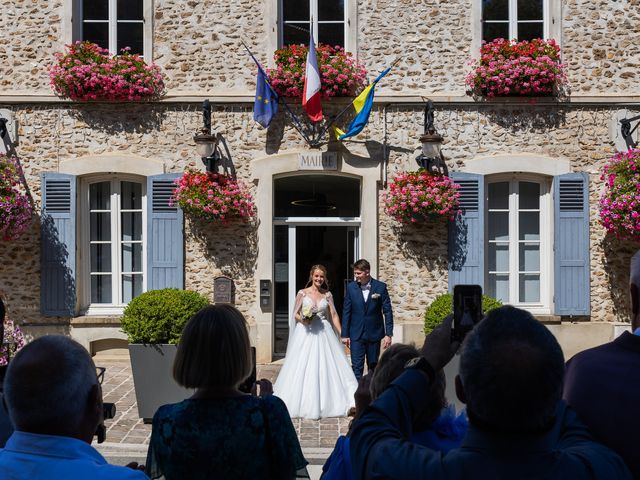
point(55, 402)
point(603, 385)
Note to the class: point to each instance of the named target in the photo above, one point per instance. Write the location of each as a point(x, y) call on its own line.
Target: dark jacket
point(364, 320)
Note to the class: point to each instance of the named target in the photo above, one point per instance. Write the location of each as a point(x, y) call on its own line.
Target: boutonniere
point(375, 295)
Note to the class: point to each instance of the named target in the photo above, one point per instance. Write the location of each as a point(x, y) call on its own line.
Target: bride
point(316, 379)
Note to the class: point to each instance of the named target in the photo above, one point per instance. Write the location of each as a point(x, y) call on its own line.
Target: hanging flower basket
point(213, 197)
point(416, 196)
point(87, 72)
point(340, 74)
point(13, 341)
point(512, 68)
point(620, 201)
point(16, 212)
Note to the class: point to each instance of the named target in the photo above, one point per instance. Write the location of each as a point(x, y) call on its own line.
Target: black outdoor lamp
point(627, 131)
point(207, 143)
point(431, 158)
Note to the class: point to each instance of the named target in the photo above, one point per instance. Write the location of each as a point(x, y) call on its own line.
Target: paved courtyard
point(128, 436)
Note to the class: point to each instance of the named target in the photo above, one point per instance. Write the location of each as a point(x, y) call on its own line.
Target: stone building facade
point(198, 46)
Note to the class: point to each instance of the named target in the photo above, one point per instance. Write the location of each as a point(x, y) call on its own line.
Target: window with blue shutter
point(571, 244)
point(165, 241)
point(466, 232)
point(58, 245)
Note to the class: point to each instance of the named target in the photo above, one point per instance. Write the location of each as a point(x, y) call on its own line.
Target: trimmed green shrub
point(158, 316)
point(443, 306)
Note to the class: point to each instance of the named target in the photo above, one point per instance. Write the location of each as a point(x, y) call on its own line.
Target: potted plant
point(512, 68)
point(87, 72)
point(17, 212)
point(153, 322)
point(340, 74)
point(416, 196)
point(442, 306)
point(213, 197)
point(620, 200)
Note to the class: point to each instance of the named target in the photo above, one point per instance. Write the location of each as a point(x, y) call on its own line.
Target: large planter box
point(152, 367)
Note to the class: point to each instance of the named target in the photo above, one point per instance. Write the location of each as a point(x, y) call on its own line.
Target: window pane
point(131, 195)
point(529, 288)
point(295, 10)
point(529, 257)
point(498, 287)
point(97, 33)
point(100, 196)
point(101, 289)
point(529, 195)
point(130, 35)
point(499, 195)
point(529, 226)
point(100, 226)
point(294, 33)
point(498, 257)
point(498, 225)
point(317, 196)
point(495, 9)
point(95, 9)
point(101, 257)
point(491, 31)
point(331, 10)
point(331, 33)
point(529, 31)
point(131, 287)
point(529, 9)
point(131, 257)
point(131, 226)
point(130, 10)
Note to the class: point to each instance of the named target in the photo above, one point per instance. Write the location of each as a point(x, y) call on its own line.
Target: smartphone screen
point(467, 309)
point(246, 386)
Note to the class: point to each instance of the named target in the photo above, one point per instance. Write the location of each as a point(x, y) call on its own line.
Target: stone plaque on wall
point(223, 290)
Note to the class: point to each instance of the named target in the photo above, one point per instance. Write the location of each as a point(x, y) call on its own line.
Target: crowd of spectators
point(527, 414)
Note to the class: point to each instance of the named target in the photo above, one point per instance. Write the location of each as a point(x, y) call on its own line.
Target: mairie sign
point(318, 161)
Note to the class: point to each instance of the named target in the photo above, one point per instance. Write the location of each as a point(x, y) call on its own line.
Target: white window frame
point(84, 250)
point(72, 30)
point(350, 23)
point(544, 306)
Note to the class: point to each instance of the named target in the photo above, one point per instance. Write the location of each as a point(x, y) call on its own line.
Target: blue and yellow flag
point(362, 105)
point(266, 103)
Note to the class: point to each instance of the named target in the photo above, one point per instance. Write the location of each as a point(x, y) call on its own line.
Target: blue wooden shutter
point(58, 245)
point(165, 240)
point(571, 244)
point(466, 232)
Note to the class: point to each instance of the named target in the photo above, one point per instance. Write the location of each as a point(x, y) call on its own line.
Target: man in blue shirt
point(603, 385)
point(511, 372)
point(55, 401)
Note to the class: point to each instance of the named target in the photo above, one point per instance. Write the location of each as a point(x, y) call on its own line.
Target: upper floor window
point(515, 19)
point(112, 24)
point(329, 19)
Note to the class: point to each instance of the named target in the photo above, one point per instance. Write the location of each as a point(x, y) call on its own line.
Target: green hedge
point(443, 306)
point(158, 316)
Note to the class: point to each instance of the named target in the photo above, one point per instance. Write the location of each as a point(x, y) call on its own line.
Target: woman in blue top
point(221, 432)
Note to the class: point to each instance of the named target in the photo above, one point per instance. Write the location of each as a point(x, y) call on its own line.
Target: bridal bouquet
point(307, 314)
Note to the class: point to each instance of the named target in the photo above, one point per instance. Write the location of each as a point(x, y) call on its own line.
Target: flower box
point(340, 74)
point(512, 68)
point(414, 197)
point(620, 201)
point(213, 197)
point(17, 212)
point(87, 72)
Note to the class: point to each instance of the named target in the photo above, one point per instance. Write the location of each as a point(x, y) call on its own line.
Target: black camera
point(108, 412)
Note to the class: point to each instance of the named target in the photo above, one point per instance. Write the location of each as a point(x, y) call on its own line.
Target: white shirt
point(366, 289)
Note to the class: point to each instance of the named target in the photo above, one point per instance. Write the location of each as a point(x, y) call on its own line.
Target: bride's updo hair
point(323, 269)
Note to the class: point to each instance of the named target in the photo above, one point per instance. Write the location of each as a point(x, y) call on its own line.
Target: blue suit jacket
point(364, 320)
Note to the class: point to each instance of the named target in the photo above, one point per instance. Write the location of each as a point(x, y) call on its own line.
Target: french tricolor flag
point(311, 92)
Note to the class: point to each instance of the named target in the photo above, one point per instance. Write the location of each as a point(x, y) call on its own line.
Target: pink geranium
point(16, 212)
point(87, 72)
point(213, 196)
point(620, 201)
point(13, 341)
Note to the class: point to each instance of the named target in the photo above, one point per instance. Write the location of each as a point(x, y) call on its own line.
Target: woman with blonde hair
point(221, 432)
point(316, 380)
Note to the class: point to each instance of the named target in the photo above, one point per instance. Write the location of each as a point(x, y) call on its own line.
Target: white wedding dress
point(316, 380)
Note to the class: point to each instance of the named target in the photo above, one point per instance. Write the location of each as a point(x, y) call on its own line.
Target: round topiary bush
point(158, 316)
point(443, 306)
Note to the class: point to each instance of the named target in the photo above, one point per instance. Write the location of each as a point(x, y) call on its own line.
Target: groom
point(363, 326)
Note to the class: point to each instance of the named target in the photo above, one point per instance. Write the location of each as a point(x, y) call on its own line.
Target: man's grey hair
point(634, 276)
point(512, 368)
point(48, 384)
